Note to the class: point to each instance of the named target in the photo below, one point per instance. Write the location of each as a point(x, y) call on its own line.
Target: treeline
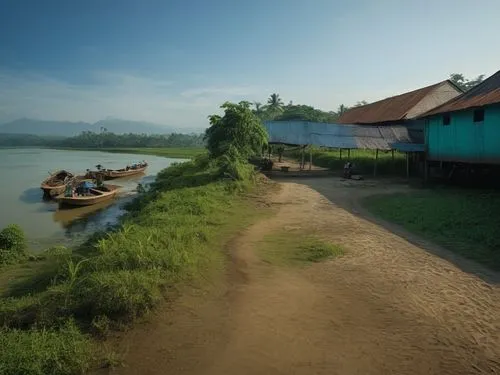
point(104, 139)
point(89, 139)
point(276, 110)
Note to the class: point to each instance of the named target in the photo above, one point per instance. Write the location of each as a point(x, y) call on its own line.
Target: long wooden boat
point(93, 196)
point(110, 174)
point(56, 183)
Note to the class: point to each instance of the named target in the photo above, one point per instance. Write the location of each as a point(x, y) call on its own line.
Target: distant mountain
point(39, 127)
point(68, 129)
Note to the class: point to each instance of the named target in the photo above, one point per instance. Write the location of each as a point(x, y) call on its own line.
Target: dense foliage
point(238, 133)
point(12, 244)
point(104, 139)
point(464, 83)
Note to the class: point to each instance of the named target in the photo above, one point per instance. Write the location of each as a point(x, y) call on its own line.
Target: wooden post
point(408, 165)
point(392, 151)
point(302, 162)
point(349, 154)
point(310, 158)
point(375, 165)
point(426, 169)
point(340, 154)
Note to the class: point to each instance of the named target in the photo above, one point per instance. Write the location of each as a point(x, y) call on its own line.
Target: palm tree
point(342, 109)
point(275, 103)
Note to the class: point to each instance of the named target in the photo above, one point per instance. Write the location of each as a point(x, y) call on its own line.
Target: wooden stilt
point(349, 154)
point(302, 162)
point(407, 165)
point(375, 165)
point(310, 158)
point(392, 151)
point(340, 154)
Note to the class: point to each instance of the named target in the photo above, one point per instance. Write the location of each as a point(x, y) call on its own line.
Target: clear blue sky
point(174, 62)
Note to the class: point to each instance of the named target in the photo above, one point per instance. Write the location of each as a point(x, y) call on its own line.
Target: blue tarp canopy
point(386, 137)
point(88, 184)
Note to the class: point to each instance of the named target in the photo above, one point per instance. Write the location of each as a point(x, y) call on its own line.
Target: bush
point(45, 351)
point(12, 244)
point(122, 295)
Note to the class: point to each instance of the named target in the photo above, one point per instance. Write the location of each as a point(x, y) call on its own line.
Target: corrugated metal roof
point(391, 109)
point(343, 136)
point(487, 92)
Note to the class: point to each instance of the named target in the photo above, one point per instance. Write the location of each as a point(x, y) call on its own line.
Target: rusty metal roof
point(394, 108)
point(487, 92)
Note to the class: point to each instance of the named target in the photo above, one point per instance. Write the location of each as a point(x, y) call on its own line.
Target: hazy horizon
point(173, 63)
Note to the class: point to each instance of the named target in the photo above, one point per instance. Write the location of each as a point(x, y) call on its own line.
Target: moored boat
point(56, 183)
point(110, 174)
point(87, 194)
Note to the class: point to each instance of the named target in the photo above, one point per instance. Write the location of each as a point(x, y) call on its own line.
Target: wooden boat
point(93, 196)
point(56, 183)
point(110, 174)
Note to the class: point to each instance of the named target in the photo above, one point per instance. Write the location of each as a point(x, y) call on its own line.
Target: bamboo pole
point(302, 162)
point(375, 165)
point(349, 154)
point(340, 154)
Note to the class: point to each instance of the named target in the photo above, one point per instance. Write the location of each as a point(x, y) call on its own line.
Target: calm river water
point(22, 171)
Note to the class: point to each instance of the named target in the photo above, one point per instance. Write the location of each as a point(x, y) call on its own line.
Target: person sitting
point(348, 169)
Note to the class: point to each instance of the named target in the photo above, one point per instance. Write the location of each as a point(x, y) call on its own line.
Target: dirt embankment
point(386, 307)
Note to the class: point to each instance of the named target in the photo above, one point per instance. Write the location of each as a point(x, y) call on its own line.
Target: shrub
point(45, 351)
point(12, 244)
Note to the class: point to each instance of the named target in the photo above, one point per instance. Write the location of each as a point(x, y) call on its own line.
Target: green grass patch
point(363, 160)
point(60, 351)
point(290, 248)
point(463, 221)
point(168, 152)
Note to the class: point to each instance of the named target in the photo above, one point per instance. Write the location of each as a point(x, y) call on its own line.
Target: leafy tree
point(306, 113)
point(360, 103)
point(464, 83)
point(239, 133)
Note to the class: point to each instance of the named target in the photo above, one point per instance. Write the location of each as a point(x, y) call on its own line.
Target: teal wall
point(464, 140)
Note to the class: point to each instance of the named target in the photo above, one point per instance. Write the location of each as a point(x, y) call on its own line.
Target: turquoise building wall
point(463, 139)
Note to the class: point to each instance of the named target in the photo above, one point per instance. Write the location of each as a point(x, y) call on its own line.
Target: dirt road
point(386, 307)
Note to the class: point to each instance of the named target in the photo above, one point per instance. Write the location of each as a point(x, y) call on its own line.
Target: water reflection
point(33, 195)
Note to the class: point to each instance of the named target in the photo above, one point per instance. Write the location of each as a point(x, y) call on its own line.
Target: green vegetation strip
point(363, 160)
point(463, 221)
point(173, 232)
point(168, 152)
point(290, 248)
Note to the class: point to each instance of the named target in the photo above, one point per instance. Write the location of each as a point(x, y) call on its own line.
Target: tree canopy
point(239, 131)
point(464, 83)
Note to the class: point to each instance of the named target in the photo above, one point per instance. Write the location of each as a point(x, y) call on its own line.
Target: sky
point(174, 62)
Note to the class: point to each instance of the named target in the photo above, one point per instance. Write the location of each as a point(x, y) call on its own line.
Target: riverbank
point(168, 152)
point(78, 296)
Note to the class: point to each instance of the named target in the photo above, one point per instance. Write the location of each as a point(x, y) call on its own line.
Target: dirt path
point(386, 307)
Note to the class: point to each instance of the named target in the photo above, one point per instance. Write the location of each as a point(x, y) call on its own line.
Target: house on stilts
point(465, 131)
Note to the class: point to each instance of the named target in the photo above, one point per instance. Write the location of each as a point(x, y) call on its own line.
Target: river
point(22, 171)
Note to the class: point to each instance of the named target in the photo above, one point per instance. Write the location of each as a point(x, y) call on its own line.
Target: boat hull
point(113, 174)
point(79, 201)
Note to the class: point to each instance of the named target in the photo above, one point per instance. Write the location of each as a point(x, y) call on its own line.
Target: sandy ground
point(386, 307)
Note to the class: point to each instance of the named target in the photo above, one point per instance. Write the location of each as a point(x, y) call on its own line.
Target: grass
point(45, 351)
point(168, 152)
point(464, 221)
point(363, 160)
point(172, 233)
point(290, 248)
